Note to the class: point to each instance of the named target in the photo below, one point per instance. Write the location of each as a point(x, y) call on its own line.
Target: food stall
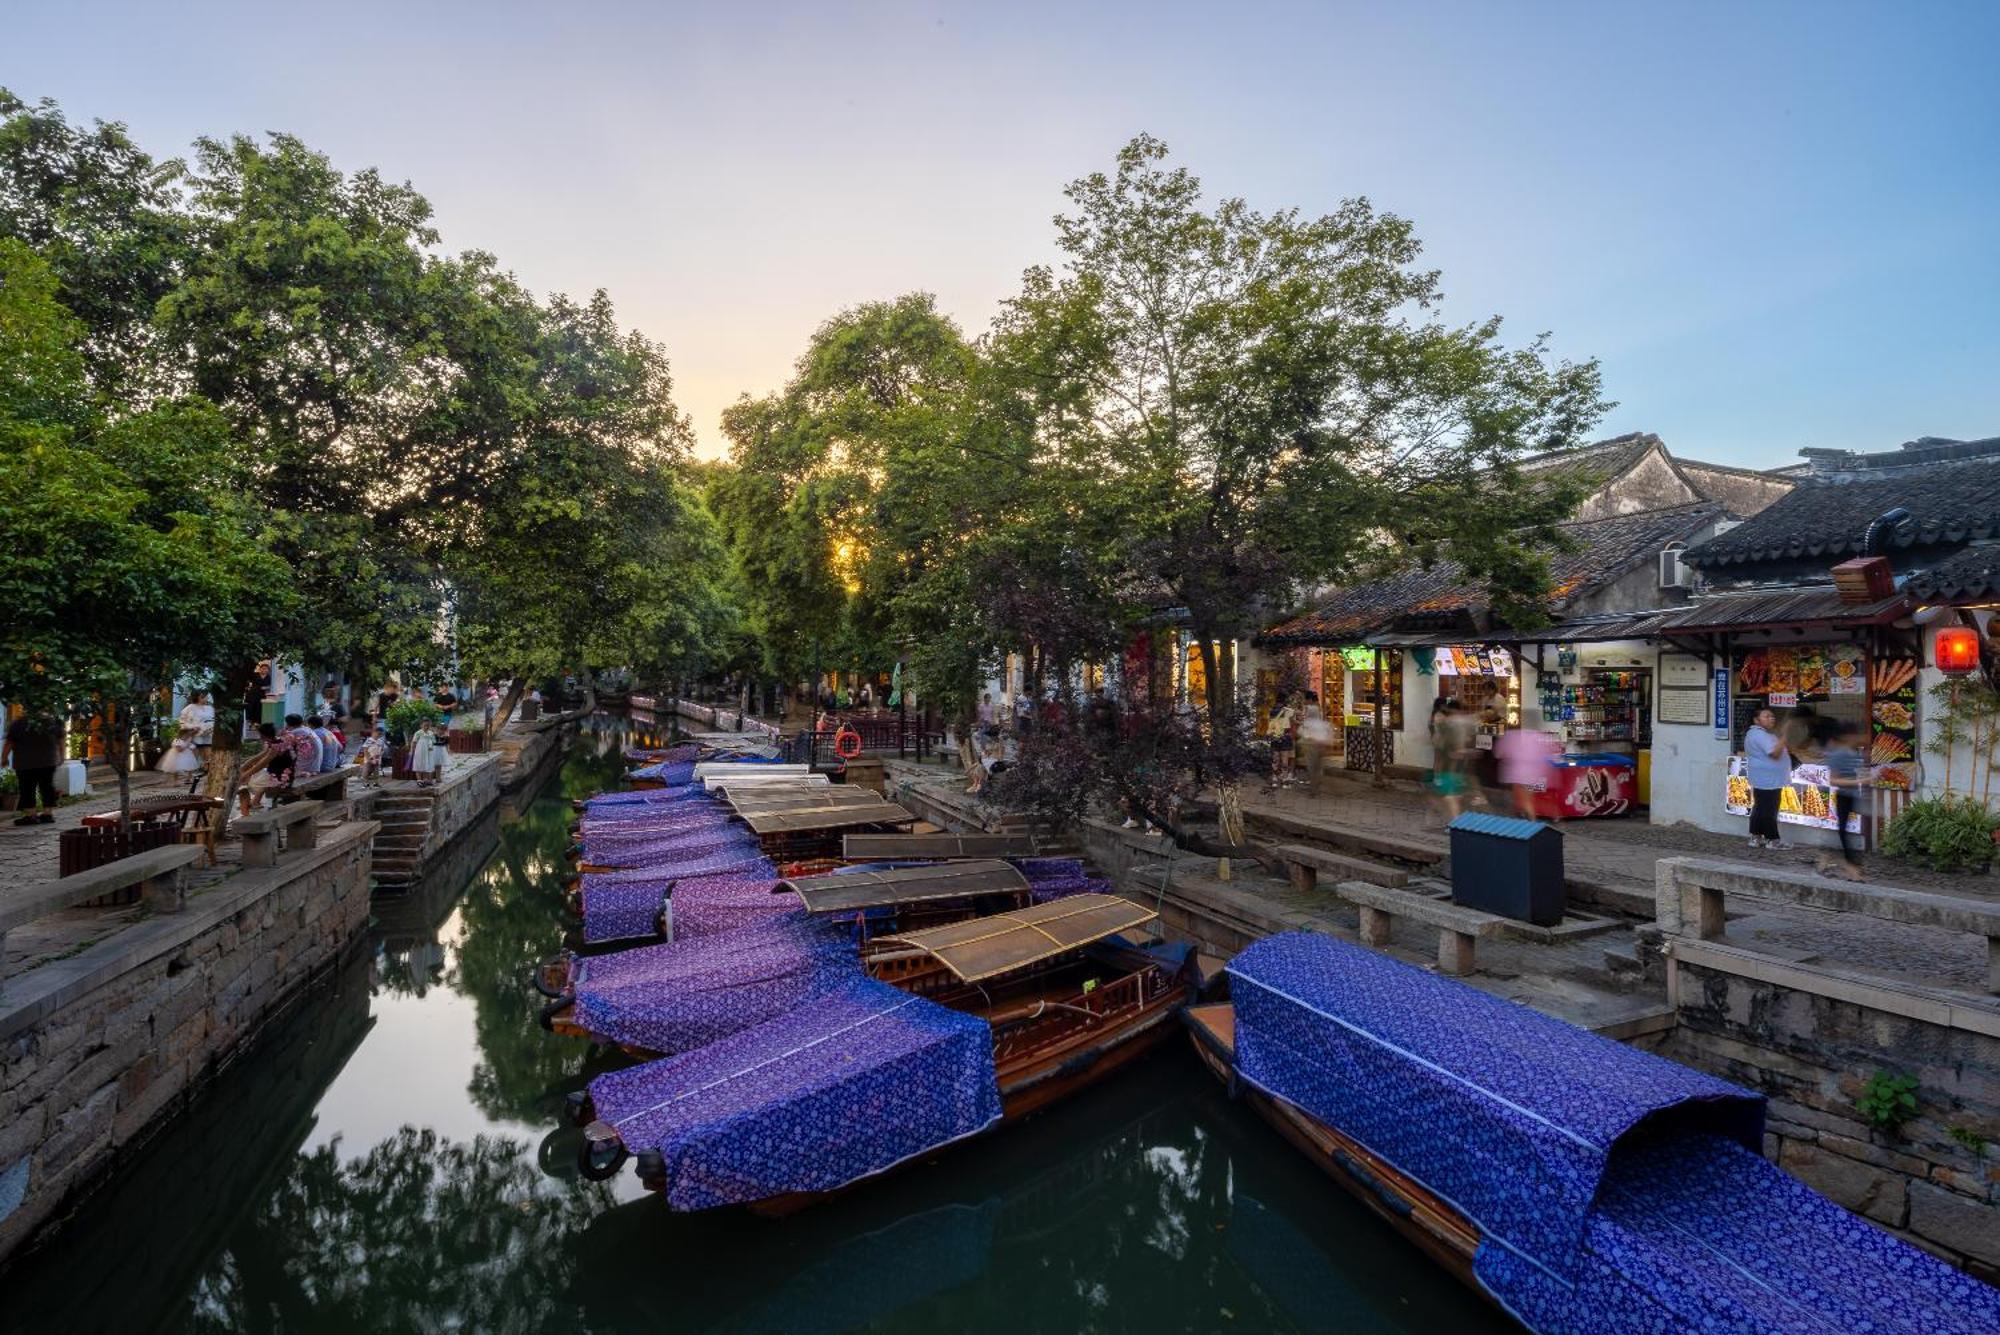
point(1839, 682)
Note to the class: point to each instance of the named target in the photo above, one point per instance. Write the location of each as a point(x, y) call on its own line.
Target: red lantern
point(1956, 650)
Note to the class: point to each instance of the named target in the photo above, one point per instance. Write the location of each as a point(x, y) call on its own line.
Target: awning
point(1777, 608)
point(798, 799)
point(985, 947)
point(862, 889)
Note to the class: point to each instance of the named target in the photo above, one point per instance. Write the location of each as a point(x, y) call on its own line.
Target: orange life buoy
point(847, 743)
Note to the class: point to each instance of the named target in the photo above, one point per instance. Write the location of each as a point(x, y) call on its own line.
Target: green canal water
point(387, 1159)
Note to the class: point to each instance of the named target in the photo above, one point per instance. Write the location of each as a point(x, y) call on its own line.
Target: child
point(370, 759)
point(427, 756)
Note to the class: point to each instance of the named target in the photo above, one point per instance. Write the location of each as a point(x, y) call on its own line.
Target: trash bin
point(1507, 866)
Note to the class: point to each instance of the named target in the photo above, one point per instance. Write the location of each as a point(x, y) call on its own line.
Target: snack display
point(1891, 675)
point(1888, 748)
point(1894, 714)
point(1812, 669)
point(1781, 671)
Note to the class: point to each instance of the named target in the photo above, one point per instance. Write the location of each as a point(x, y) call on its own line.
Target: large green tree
point(1264, 402)
point(131, 561)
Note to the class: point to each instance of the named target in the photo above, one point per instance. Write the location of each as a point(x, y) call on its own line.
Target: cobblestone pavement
point(28, 852)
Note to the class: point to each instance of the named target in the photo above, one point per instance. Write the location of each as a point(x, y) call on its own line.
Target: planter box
point(465, 743)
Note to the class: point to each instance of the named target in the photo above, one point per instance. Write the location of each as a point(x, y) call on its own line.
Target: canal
point(387, 1160)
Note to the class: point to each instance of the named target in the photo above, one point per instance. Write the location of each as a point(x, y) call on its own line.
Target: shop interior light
point(1956, 650)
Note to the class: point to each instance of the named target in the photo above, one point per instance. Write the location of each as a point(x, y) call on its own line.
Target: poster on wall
point(1892, 746)
point(1807, 801)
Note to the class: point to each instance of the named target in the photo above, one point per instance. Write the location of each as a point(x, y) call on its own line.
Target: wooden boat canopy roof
point(871, 846)
point(904, 885)
point(985, 947)
point(774, 798)
point(844, 816)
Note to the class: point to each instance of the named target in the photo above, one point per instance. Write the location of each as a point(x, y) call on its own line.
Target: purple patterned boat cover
point(616, 909)
point(1697, 1233)
point(663, 850)
point(638, 799)
point(862, 1079)
point(706, 905)
point(676, 997)
point(1507, 1114)
point(669, 772)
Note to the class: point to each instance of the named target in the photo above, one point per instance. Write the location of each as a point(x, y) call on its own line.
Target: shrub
point(408, 717)
point(1888, 1100)
point(1948, 833)
point(10, 783)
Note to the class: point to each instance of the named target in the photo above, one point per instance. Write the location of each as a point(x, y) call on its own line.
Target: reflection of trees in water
point(419, 1233)
point(513, 918)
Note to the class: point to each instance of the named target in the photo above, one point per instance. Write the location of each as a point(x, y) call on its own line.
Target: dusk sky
point(1775, 225)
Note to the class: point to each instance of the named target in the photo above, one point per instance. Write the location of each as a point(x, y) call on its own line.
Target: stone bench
point(1691, 894)
point(259, 831)
point(159, 873)
point(1459, 928)
point(1303, 864)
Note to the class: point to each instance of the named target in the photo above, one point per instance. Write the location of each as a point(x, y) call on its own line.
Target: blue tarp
point(861, 1079)
point(1507, 1114)
point(1615, 1191)
point(621, 905)
point(676, 997)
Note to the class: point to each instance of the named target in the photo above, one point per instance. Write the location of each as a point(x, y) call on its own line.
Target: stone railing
point(159, 873)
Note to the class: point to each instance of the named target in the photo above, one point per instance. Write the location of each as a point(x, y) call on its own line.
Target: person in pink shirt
point(1524, 755)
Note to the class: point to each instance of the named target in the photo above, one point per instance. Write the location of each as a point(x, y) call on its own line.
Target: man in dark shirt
point(34, 746)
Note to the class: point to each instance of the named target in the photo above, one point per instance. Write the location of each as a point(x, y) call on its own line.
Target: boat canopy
point(827, 818)
point(874, 847)
point(867, 888)
point(986, 947)
point(717, 783)
point(1508, 1115)
point(678, 996)
point(778, 797)
point(861, 1079)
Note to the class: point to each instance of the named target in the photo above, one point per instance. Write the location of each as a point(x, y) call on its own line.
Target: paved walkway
point(28, 852)
point(1618, 852)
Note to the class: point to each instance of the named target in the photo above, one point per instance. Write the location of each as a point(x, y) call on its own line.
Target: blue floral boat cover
point(851, 1085)
point(1526, 1125)
point(619, 910)
point(705, 905)
point(676, 997)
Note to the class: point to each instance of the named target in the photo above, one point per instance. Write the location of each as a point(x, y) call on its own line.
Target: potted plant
point(467, 736)
point(405, 719)
point(10, 790)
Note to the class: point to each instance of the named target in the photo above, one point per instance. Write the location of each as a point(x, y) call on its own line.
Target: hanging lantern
point(1956, 650)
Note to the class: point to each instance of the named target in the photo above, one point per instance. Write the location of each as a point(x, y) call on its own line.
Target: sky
point(1774, 225)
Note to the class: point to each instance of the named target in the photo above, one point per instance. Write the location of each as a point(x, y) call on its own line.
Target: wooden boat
point(1444, 1234)
point(1036, 976)
point(881, 901)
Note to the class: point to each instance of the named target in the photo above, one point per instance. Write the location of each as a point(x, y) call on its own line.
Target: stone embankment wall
point(527, 750)
point(96, 1050)
point(1812, 1056)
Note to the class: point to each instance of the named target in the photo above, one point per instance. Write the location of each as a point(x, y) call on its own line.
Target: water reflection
point(387, 1162)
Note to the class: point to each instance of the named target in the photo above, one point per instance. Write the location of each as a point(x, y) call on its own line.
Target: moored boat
point(950, 1030)
point(1582, 1185)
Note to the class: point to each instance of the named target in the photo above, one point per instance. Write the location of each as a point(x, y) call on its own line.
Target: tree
point(1263, 403)
point(131, 562)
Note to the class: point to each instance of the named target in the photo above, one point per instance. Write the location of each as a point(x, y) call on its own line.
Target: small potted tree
point(467, 736)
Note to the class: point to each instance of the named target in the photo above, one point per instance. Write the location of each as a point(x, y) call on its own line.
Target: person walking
point(1524, 756)
point(1844, 769)
point(1451, 742)
point(34, 747)
point(1279, 730)
point(1315, 742)
point(1768, 765)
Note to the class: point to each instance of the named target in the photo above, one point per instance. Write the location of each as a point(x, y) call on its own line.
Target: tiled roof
point(1597, 462)
point(1970, 575)
point(1601, 551)
point(1950, 501)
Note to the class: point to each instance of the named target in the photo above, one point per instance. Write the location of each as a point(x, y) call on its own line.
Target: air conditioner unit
point(1674, 575)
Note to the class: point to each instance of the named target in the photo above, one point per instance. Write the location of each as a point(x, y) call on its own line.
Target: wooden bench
point(1303, 864)
point(159, 873)
point(328, 787)
point(1459, 928)
point(1691, 898)
point(259, 831)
